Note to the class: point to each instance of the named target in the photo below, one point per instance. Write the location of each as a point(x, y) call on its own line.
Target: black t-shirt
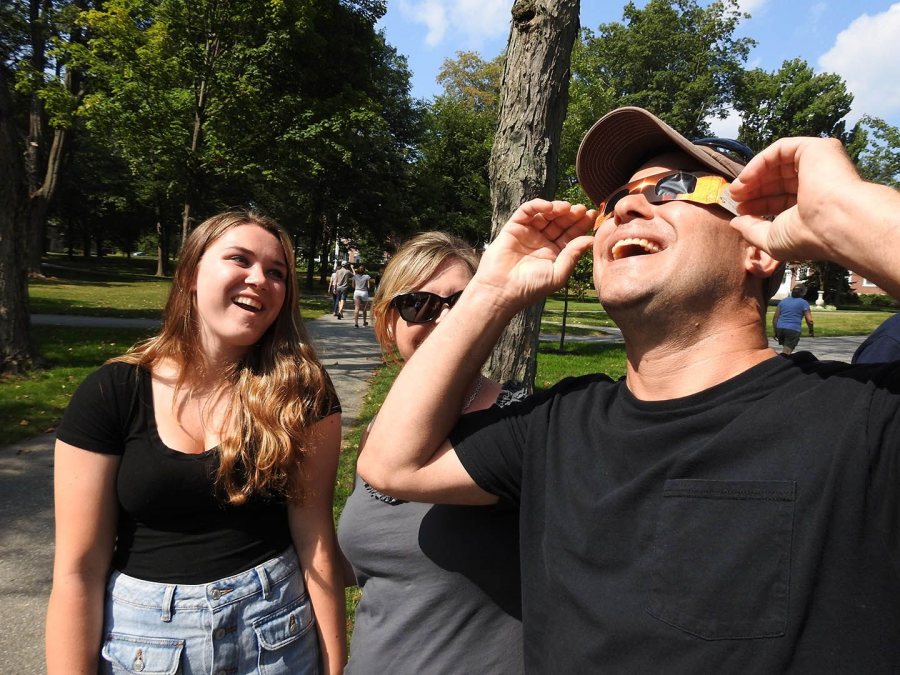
point(171, 526)
point(750, 528)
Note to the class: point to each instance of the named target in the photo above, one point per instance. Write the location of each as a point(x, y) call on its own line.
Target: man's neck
point(675, 367)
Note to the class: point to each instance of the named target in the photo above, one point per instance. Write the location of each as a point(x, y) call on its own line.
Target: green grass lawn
point(33, 405)
point(840, 322)
point(78, 291)
point(131, 299)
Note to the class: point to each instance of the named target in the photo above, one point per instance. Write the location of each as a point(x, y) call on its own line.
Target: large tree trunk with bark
point(523, 165)
point(15, 337)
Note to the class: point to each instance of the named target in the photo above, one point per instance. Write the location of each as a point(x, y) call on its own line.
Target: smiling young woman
point(194, 479)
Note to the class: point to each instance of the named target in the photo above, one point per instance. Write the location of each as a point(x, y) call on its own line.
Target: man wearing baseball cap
point(721, 508)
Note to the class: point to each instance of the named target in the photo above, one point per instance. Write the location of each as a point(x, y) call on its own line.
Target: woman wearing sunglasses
point(440, 584)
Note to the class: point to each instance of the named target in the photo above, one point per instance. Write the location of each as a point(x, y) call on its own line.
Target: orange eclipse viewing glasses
point(687, 186)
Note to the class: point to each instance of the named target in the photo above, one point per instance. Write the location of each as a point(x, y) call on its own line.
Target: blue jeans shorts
point(259, 621)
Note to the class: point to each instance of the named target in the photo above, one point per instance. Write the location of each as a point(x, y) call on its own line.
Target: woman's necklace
point(474, 393)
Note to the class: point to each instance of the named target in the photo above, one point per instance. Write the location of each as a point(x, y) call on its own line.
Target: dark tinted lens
point(451, 300)
point(418, 307)
point(680, 183)
point(422, 306)
point(612, 200)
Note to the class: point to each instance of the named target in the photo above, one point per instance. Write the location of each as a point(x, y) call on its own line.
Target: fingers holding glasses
point(557, 222)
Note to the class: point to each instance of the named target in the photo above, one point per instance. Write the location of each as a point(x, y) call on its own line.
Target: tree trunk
point(523, 164)
point(565, 316)
point(201, 100)
point(326, 264)
point(42, 167)
point(312, 245)
point(162, 248)
point(15, 334)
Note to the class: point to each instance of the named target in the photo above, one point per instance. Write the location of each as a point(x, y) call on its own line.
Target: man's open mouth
point(627, 248)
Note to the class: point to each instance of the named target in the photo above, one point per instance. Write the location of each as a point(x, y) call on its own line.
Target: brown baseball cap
point(624, 139)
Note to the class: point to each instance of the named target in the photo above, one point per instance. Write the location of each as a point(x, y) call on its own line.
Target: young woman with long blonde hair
point(194, 479)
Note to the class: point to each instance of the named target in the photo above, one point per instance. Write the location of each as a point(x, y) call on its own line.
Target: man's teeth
point(625, 248)
point(248, 302)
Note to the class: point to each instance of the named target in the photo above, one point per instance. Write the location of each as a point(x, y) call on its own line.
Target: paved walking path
point(26, 490)
point(26, 472)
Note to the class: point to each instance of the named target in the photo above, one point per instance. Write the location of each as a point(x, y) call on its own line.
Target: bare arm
point(407, 454)
point(775, 319)
point(312, 530)
point(86, 510)
point(809, 322)
point(824, 210)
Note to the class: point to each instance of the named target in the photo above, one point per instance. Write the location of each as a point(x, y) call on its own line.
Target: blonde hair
point(277, 390)
point(414, 263)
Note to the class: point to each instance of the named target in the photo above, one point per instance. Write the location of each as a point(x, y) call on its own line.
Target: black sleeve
point(492, 444)
point(98, 413)
point(330, 403)
point(884, 448)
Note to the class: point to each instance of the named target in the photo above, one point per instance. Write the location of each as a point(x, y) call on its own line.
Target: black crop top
point(171, 526)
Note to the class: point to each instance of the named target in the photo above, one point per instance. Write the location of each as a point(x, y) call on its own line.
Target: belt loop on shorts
point(264, 581)
point(167, 603)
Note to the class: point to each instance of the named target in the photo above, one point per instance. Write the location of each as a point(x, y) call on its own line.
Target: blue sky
point(859, 40)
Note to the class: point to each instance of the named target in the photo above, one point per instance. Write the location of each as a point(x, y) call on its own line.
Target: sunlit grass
point(34, 404)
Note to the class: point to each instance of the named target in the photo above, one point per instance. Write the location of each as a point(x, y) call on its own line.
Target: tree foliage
point(454, 149)
point(792, 101)
point(879, 160)
point(676, 58)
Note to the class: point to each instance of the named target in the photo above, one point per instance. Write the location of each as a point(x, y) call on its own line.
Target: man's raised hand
point(536, 251)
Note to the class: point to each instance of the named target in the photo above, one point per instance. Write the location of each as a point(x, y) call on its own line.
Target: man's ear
point(758, 263)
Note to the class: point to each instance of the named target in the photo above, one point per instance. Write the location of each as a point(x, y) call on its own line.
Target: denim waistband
point(258, 580)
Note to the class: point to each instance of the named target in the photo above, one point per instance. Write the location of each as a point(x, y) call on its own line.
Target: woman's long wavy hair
point(276, 391)
point(414, 263)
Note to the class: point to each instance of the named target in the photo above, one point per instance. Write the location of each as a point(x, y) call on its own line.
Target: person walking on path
point(343, 283)
point(187, 512)
point(786, 321)
point(332, 289)
point(362, 283)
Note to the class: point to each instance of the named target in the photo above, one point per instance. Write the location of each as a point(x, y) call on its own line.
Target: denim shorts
point(259, 621)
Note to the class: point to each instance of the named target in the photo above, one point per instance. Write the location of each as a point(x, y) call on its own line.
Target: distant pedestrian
point(788, 314)
point(332, 289)
point(362, 283)
point(343, 283)
point(882, 345)
point(194, 478)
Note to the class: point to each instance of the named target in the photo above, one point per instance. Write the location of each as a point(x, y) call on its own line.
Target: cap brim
point(624, 139)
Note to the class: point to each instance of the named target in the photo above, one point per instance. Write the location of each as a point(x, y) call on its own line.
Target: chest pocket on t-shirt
point(722, 557)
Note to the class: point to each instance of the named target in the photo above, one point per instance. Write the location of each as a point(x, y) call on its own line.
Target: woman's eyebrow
point(241, 249)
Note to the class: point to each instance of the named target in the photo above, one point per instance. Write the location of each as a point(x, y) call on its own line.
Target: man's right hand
point(535, 252)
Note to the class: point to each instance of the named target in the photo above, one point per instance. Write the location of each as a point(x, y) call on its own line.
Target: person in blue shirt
point(786, 322)
point(882, 345)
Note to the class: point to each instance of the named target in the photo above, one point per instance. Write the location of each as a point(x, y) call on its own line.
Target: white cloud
point(431, 13)
point(470, 22)
point(751, 6)
point(866, 54)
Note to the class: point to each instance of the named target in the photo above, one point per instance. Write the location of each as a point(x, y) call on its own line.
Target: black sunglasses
point(422, 306)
